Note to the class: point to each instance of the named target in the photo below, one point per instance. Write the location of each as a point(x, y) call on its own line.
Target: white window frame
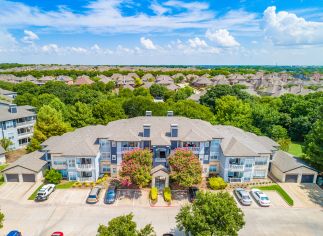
point(114, 157)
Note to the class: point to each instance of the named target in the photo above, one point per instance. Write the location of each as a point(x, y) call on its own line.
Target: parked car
point(57, 234)
point(260, 197)
point(192, 191)
point(44, 192)
point(243, 196)
point(110, 195)
point(94, 195)
point(14, 233)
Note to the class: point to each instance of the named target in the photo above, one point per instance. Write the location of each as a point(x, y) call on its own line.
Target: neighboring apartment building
point(234, 154)
point(17, 124)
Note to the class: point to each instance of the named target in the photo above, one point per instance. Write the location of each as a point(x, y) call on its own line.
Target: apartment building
point(17, 124)
point(234, 154)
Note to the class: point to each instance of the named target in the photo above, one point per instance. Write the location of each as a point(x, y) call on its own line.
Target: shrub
point(77, 184)
point(153, 194)
point(217, 183)
point(53, 176)
point(167, 194)
point(87, 184)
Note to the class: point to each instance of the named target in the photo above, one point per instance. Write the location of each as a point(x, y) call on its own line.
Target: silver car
point(243, 196)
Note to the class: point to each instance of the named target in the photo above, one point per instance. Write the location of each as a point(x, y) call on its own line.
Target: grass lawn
point(65, 185)
point(33, 195)
point(280, 190)
point(296, 149)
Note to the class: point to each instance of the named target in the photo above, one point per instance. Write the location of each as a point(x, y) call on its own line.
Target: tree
point(157, 90)
point(186, 169)
point(278, 132)
point(211, 214)
point(27, 87)
point(124, 226)
point(232, 111)
point(284, 143)
point(59, 106)
point(53, 176)
point(299, 128)
point(6, 143)
point(136, 167)
point(49, 123)
point(137, 106)
point(106, 111)
point(1, 219)
point(24, 99)
point(80, 115)
point(314, 145)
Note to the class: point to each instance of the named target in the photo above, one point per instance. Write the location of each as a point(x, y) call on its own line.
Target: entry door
point(160, 183)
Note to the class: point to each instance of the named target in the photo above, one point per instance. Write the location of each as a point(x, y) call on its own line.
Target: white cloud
point(158, 9)
point(222, 37)
point(284, 28)
point(7, 41)
point(197, 42)
point(147, 43)
point(29, 37)
point(50, 48)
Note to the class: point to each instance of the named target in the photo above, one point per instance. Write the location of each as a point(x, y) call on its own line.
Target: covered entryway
point(12, 177)
point(28, 178)
point(307, 179)
point(291, 178)
point(160, 177)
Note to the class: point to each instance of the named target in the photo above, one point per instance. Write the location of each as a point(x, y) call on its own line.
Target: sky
point(162, 32)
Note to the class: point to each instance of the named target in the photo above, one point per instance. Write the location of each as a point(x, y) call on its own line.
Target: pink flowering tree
point(186, 169)
point(136, 166)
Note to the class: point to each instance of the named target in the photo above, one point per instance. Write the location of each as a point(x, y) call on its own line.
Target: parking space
point(129, 197)
point(304, 195)
point(70, 196)
point(179, 197)
point(17, 191)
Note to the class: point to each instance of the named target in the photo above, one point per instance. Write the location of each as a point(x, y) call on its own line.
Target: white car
point(44, 192)
point(260, 197)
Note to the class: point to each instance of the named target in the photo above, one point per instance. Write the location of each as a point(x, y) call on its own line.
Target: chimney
point(146, 130)
point(13, 108)
point(148, 113)
point(173, 130)
point(170, 113)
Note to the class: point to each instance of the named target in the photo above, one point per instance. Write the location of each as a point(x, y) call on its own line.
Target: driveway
point(304, 195)
point(17, 191)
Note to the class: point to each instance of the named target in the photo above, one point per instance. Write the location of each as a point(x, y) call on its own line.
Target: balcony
point(235, 180)
point(84, 166)
point(160, 159)
point(85, 179)
point(25, 123)
point(127, 149)
point(194, 149)
point(235, 167)
point(25, 134)
point(59, 166)
point(261, 167)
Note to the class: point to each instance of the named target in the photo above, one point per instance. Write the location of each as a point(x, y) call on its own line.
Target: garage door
point(291, 178)
point(12, 177)
point(28, 177)
point(307, 179)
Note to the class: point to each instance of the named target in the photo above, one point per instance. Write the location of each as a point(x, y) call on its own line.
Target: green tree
point(314, 145)
point(137, 106)
point(106, 111)
point(1, 219)
point(27, 87)
point(186, 169)
point(41, 100)
point(277, 132)
point(53, 176)
point(59, 106)
point(232, 111)
point(80, 115)
point(24, 99)
point(49, 123)
point(141, 91)
point(299, 128)
point(284, 143)
point(136, 167)
point(211, 214)
point(157, 90)
point(6, 143)
point(183, 93)
point(124, 226)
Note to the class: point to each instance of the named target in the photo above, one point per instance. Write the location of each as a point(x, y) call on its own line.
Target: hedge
point(167, 194)
point(217, 183)
point(153, 194)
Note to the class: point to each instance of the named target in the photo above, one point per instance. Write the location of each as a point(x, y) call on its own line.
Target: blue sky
point(283, 32)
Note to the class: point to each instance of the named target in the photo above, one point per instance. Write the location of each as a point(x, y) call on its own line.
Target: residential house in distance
point(234, 154)
point(17, 124)
point(83, 79)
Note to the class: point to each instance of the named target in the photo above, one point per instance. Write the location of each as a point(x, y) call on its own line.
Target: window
point(71, 163)
point(105, 155)
point(212, 169)
point(113, 143)
point(86, 174)
point(114, 157)
point(261, 161)
point(105, 168)
point(206, 144)
point(9, 124)
point(59, 162)
point(24, 141)
point(213, 157)
point(114, 170)
point(259, 174)
point(206, 157)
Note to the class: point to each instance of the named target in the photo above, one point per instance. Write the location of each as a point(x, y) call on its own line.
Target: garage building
point(28, 168)
point(287, 168)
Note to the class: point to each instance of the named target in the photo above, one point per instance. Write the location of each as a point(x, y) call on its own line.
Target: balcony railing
point(193, 149)
point(59, 166)
point(236, 167)
point(127, 149)
point(26, 133)
point(264, 166)
point(84, 166)
point(235, 180)
point(85, 179)
point(160, 159)
point(25, 123)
